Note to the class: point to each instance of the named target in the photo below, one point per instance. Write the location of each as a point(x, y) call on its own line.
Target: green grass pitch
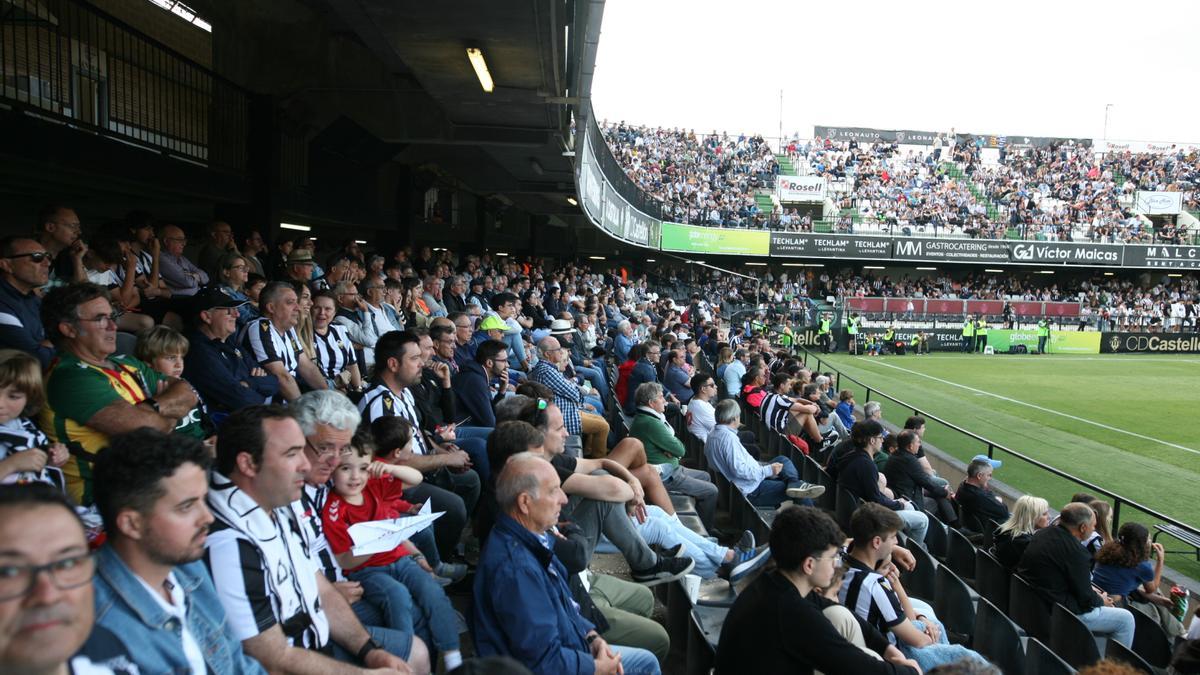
point(1127, 423)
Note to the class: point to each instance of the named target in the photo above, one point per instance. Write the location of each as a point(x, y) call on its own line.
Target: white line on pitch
point(1038, 407)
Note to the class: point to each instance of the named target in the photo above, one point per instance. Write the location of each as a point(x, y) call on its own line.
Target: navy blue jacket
point(21, 323)
point(220, 373)
point(474, 395)
point(523, 608)
point(642, 373)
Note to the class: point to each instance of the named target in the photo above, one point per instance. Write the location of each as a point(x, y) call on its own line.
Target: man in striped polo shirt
point(871, 589)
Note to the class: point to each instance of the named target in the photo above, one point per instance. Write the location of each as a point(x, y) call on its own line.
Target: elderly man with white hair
point(624, 341)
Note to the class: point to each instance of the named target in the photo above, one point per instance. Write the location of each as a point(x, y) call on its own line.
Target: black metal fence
point(67, 61)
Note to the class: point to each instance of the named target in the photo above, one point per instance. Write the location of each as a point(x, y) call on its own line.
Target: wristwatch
point(369, 646)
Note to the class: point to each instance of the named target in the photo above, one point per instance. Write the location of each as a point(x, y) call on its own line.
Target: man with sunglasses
point(46, 596)
point(24, 268)
point(93, 393)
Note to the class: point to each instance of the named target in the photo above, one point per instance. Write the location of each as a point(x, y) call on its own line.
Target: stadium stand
point(1062, 192)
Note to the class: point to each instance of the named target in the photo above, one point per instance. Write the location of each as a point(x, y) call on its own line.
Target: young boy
point(365, 491)
point(163, 349)
point(871, 588)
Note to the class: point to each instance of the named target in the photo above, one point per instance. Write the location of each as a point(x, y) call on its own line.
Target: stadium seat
point(1150, 641)
point(683, 503)
point(1039, 660)
point(989, 531)
point(704, 631)
point(960, 555)
point(1027, 607)
point(126, 343)
point(1115, 651)
point(991, 579)
point(1071, 639)
point(920, 582)
point(936, 538)
point(954, 602)
point(998, 638)
point(809, 469)
point(828, 500)
point(844, 507)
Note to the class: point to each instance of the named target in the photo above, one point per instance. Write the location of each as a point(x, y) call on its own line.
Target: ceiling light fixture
point(293, 226)
point(572, 201)
point(475, 55)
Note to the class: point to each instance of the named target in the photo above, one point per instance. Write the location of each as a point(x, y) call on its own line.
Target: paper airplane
point(378, 536)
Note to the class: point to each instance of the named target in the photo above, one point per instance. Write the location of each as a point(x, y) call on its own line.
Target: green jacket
point(823, 328)
point(968, 328)
point(1043, 328)
point(662, 447)
point(982, 328)
point(852, 326)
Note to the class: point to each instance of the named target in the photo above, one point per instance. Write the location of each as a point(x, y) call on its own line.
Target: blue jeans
point(773, 491)
point(433, 616)
point(941, 652)
point(477, 449)
point(386, 611)
point(916, 524)
point(596, 377)
point(473, 441)
point(426, 543)
point(1111, 621)
point(668, 532)
point(596, 403)
point(637, 661)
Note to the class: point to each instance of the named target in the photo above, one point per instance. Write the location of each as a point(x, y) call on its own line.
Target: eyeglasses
point(36, 257)
point(99, 320)
point(17, 580)
point(837, 559)
point(322, 453)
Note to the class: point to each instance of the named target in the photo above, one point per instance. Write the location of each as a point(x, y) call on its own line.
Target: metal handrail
point(993, 446)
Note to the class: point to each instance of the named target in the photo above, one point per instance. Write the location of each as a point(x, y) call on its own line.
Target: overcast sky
point(1045, 68)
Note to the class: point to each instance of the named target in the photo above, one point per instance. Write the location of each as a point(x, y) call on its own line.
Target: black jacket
point(979, 504)
point(1058, 565)
point(907, 478)
point(772, 629)
point(1009, 549)
point(857, 473)
point(434, 402)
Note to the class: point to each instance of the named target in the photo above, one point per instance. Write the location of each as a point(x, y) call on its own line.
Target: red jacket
point(623, 372)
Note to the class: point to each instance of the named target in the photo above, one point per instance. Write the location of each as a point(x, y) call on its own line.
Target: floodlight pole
point(780, 121)
point(1107, 107)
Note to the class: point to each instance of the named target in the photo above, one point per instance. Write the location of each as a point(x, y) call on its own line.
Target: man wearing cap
point(216, 368)
point(477, 297)
point(300, 265)
point(975, 499)
point(507, 306)
point(564, 331)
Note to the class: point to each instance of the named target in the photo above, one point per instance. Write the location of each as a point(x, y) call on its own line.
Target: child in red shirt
point(364, 491)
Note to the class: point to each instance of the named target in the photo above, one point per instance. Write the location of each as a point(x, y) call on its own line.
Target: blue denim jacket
point(125, 607)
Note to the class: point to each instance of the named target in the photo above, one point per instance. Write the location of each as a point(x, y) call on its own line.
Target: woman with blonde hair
point(1028, 515)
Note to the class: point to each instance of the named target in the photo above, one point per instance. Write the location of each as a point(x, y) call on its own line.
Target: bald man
point(180, 274)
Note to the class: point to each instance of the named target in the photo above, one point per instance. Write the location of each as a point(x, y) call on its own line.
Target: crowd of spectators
point(1063, 191)
point(699, 179)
